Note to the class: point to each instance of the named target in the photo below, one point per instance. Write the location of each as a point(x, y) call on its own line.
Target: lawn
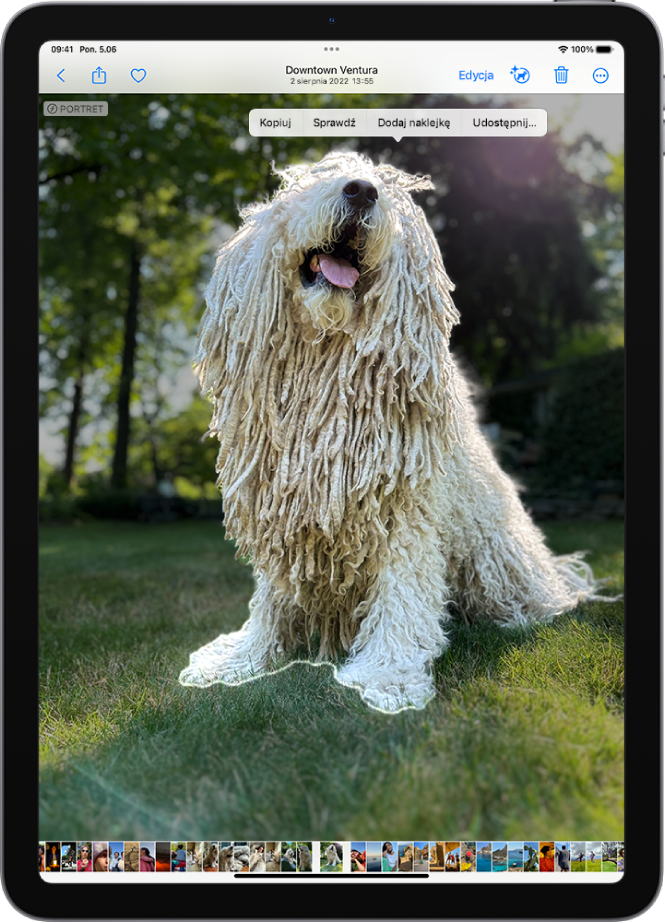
point(524, 739)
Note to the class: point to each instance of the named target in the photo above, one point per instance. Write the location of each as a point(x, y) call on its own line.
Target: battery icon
point(603, 49)
point(561, 74)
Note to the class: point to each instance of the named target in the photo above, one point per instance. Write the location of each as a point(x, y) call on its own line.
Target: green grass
point(593, 866)
point(525, 738)
point(577, 866)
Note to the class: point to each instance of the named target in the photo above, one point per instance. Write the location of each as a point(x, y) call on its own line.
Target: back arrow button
point(61, 72)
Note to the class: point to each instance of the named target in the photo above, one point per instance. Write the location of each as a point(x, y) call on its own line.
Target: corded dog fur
point(353, 470)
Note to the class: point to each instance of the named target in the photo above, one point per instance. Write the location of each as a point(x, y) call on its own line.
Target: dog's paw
point(397, 697)
point(196, 675)
point(202, 675)
point(222, 663)
point(232, 673)
point(388, 693)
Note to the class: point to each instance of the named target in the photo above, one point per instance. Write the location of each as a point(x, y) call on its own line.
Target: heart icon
point(138, 74)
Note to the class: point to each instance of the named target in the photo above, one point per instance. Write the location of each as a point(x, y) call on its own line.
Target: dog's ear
point(244, 320)
point(416, 312)
point(243, 298)
point(410, 312)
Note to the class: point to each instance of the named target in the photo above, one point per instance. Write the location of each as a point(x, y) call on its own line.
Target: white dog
point(304, 858)
point(225, 859)
point(352, 467)
point(332, 857)
point(240, 858)
point(211, 854)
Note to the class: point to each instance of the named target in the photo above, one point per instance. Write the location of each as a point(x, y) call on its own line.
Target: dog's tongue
point(337, 271)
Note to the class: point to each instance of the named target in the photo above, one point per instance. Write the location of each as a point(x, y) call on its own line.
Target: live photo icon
point(561, 74)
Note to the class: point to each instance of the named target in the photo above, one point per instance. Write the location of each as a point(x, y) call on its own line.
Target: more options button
point(70, 108)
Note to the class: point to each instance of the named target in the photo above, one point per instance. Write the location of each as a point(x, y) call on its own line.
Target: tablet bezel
point(643, 106)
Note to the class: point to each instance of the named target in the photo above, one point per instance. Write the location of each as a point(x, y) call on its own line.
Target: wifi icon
point(563, 48)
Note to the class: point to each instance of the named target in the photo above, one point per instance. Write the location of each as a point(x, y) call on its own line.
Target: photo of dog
point(240, 861)
point(353, 469)
point(210, 857)
point(304, 854)
point(225, 857)
point(289, 863)
point(331, 857)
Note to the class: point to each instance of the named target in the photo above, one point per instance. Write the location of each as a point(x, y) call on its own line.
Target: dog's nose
point(360, 194)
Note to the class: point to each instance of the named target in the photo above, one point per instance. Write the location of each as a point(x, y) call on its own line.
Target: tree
point(77, 319)
point(132, 201)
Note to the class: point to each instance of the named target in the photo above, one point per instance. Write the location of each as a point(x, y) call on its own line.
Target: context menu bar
point(397, 123)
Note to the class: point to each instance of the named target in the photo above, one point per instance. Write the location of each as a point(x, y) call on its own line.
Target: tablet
point(341, 412)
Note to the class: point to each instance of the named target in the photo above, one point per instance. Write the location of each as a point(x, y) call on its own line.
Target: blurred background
point(134, 206)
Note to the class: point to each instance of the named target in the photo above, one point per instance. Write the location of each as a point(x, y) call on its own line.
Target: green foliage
point(110, 503)
point(56, 502)
point(515, 413)
point(584, 440)
point(605, 235)
point(180, 453)
point(188, 490)
point(177, 445)
point(46, 470)
point(615, 178)
point(58, 508)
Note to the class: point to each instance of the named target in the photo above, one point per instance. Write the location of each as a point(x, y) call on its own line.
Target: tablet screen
point(331, 336)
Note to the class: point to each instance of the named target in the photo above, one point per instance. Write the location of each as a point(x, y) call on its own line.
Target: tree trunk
point(73, 428)
point(82, 359)
point(158, 474)
point(77, 403)
point(119, 470)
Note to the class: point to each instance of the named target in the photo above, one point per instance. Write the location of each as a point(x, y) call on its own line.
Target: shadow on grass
point(483, 650)
point(524, 734)
point(288, 752)
point(296, 751)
